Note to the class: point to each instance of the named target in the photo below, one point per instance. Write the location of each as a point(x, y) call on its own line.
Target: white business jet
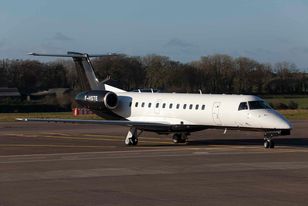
point(170, 113)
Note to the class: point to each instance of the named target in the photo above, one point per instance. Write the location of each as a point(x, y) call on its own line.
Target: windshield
point(243, 106)
point(258, 105)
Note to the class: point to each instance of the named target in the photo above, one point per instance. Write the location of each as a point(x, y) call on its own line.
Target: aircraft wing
point(138, 124)
point(142, 125)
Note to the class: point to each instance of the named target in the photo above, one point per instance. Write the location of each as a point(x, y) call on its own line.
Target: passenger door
point(215, 113)
point(243, 115)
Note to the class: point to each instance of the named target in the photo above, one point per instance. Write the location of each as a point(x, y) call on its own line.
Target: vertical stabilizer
point(85, 72)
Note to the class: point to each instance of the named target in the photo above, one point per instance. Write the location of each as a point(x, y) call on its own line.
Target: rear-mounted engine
point(97, 100)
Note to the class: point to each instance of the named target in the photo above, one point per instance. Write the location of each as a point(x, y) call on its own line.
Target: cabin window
point(164, 105)
point(149, 105)
point(184, 106)
point(197, 106)
point(178, 106)
point(170, 106)
point(190, 106)
point(130, 104)
point(243, 106)
point(157, 105)
point(136, 104)
point(142, 105)
point(203, 107)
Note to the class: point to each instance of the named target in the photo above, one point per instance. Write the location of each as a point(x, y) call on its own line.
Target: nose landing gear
point(268, 143)
point(268, 136)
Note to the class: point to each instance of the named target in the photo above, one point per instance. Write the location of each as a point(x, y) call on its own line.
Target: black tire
point(135, 141)
point(182, 141)
point(131, 141)
point(179, 138)
point(176, 138)
point(175, 141)
point(266, 144)
point(272, 145)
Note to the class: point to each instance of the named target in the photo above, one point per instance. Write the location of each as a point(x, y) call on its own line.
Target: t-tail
point(85, 71)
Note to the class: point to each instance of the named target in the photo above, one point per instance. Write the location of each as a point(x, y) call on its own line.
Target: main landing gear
point(180, 138)
point(268, 136)
point(132, 136)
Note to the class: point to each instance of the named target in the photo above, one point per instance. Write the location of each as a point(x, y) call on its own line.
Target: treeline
point(211, 74)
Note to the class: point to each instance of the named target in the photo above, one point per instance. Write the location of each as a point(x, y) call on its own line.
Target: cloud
point(61, 37)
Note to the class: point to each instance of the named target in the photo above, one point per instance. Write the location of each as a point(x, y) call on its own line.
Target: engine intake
point(97, 100)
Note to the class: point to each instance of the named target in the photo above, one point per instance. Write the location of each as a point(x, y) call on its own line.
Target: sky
point(268, 31)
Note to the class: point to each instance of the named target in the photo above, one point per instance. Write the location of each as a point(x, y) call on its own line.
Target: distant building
point(6, 92)
point(56, 92)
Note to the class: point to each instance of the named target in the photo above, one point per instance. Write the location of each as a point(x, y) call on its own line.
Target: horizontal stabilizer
point(72, 54)
point(85, 71)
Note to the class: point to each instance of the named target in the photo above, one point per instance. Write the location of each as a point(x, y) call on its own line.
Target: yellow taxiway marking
point(54, 133)
point(89, 138)
point(53, 145)
point(133, 151)
point(97, 135)
point(83, 135)
point(93, 135)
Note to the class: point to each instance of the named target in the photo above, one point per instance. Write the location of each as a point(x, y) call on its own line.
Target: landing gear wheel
point(269, 143)
point(132, 137)
point(175, 138)
point(266, 144)
point(272, 145)
point(179, 138)
point(131, 141)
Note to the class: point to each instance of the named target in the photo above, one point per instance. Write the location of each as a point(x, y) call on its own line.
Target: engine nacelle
point(97, 100)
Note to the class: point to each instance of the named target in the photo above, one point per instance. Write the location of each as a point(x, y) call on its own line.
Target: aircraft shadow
point(297, 142)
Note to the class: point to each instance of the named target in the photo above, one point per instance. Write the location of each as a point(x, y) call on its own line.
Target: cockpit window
point(242, 106)
point(258, 105)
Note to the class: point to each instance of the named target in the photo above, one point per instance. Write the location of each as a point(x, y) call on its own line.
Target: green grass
point(10, 117)
point(302, 101)
point(297, 114)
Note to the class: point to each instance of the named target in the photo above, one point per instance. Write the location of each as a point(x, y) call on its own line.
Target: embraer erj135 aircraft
point(170, 113)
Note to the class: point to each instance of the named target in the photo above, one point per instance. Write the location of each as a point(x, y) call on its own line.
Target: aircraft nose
point(276, 120)
point(284, 124)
